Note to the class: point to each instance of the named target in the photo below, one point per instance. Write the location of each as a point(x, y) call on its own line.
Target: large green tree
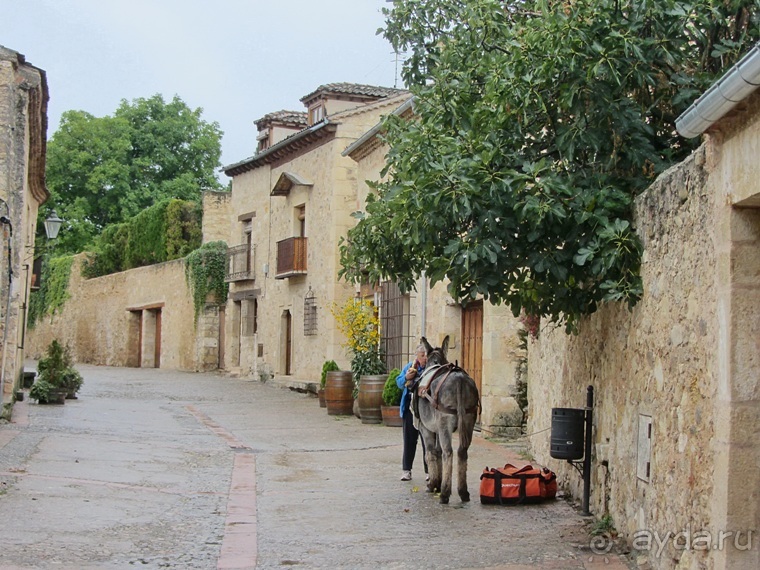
point(535, 124)
point(104, 170)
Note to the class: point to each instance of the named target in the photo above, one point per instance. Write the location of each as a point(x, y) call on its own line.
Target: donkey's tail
point(465, 435)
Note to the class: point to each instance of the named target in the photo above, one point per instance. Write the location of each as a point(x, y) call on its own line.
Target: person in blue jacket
point(409, 375)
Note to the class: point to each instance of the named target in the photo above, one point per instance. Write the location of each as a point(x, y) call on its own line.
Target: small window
point(249, 317)
point(301, 220)
point(316, 114)
point(263, 140)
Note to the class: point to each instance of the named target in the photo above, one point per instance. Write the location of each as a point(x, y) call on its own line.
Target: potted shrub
point(57, 379)
point(391, 400)
point(328, 366)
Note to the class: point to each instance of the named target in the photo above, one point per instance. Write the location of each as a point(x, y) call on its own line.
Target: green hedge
point(205, 271)
point(170, 229)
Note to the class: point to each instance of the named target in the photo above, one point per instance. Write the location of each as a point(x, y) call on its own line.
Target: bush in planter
point(391, 391)
point(56, 372)
point(328, 366)
point(42, 391)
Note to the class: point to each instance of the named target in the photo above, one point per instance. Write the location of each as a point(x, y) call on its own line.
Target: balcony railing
point(291, 257)
point(240, 262)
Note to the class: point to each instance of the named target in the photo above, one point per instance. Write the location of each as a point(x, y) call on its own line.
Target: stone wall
point(216, 216)
point(101, 320)
point(659, 362)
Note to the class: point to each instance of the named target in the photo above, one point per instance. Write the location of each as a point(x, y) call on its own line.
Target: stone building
point(483, 337)
point(23, 116)
point(290, 204)
point(676, 458)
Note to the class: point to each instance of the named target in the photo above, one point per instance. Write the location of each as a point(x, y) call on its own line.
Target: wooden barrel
point(371, 398)
point(339, 393)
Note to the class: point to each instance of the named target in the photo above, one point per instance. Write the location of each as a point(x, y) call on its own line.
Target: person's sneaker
point(406, 476)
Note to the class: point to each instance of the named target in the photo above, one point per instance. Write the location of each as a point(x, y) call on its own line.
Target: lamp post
point(52, 225)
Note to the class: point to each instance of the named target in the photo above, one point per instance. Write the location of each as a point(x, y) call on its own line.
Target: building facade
point(290, 205)
point(23, 114)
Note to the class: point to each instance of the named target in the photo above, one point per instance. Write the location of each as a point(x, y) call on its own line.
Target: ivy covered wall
point(168, 230)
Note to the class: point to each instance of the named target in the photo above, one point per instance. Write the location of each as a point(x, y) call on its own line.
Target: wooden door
point(139, 338)
point(288, 343)
point(222, 322)
point(472, 341)
point(157, 351)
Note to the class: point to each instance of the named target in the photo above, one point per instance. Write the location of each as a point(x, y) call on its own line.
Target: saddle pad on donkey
point(425, 379)
point(512, 485)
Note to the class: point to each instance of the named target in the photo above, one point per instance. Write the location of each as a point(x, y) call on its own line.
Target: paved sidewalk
point(164, 469)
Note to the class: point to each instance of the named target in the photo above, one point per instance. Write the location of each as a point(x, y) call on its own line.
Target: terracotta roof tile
point(356, 89)
point(295, 118)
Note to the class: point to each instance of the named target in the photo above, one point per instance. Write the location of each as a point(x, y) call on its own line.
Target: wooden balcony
point(291, 257)
point(240, 263)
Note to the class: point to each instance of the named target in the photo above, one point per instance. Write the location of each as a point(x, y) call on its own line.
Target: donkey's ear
point(426, 344)
point(445, 345)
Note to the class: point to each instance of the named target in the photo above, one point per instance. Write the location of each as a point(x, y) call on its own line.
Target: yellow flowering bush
point(357, 320)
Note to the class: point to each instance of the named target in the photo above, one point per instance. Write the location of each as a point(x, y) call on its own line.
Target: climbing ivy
point(168, 230)
point(54, 288)
point(205, 270)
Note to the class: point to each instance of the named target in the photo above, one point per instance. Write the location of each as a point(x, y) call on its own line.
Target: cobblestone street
point(163, 469)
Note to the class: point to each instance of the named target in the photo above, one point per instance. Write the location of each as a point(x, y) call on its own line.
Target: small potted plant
point(328, 366)
point(57, 379)
point(391, 400)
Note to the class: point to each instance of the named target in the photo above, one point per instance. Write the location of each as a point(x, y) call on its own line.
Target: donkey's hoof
point(444, 500)
point(464, 496)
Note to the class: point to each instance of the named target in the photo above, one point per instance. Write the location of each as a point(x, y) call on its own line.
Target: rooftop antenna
point(395, 74)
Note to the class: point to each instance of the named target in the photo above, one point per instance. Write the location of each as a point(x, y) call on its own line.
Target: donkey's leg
point(433, 456)
point(462, 454)
point(444, 436)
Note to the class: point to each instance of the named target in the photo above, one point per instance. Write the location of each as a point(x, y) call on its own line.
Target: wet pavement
point(165, 469)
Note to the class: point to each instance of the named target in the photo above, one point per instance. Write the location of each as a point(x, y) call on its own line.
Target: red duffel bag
point(512, 485)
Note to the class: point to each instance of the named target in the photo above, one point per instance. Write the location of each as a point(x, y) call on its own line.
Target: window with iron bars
point(309, 314)
point(396, 339)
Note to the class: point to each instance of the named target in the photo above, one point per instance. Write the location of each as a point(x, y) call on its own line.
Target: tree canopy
point(104, 170)
point(535, 124)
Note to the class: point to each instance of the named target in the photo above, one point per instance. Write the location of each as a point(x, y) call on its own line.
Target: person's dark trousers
point(411, 435)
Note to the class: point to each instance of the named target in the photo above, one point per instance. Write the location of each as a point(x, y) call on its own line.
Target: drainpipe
point(423, 300)
point(735, 86)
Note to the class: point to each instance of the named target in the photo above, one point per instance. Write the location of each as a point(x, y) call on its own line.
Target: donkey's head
point(436, 355)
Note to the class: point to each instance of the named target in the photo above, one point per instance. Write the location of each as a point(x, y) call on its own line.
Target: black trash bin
point(567, 441)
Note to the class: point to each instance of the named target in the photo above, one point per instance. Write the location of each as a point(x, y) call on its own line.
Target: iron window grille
point(309, 314)
point(396, 339)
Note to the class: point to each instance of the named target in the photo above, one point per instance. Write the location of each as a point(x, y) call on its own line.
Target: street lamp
point(52, 225)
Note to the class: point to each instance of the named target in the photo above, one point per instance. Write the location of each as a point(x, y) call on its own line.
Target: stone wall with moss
point(102, 316)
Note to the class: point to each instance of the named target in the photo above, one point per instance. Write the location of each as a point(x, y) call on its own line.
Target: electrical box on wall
point(644, 448)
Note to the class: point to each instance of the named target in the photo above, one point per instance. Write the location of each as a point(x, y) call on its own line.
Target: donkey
point(447, 401)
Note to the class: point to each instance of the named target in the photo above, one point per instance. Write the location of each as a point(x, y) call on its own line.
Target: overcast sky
point(236, 59)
